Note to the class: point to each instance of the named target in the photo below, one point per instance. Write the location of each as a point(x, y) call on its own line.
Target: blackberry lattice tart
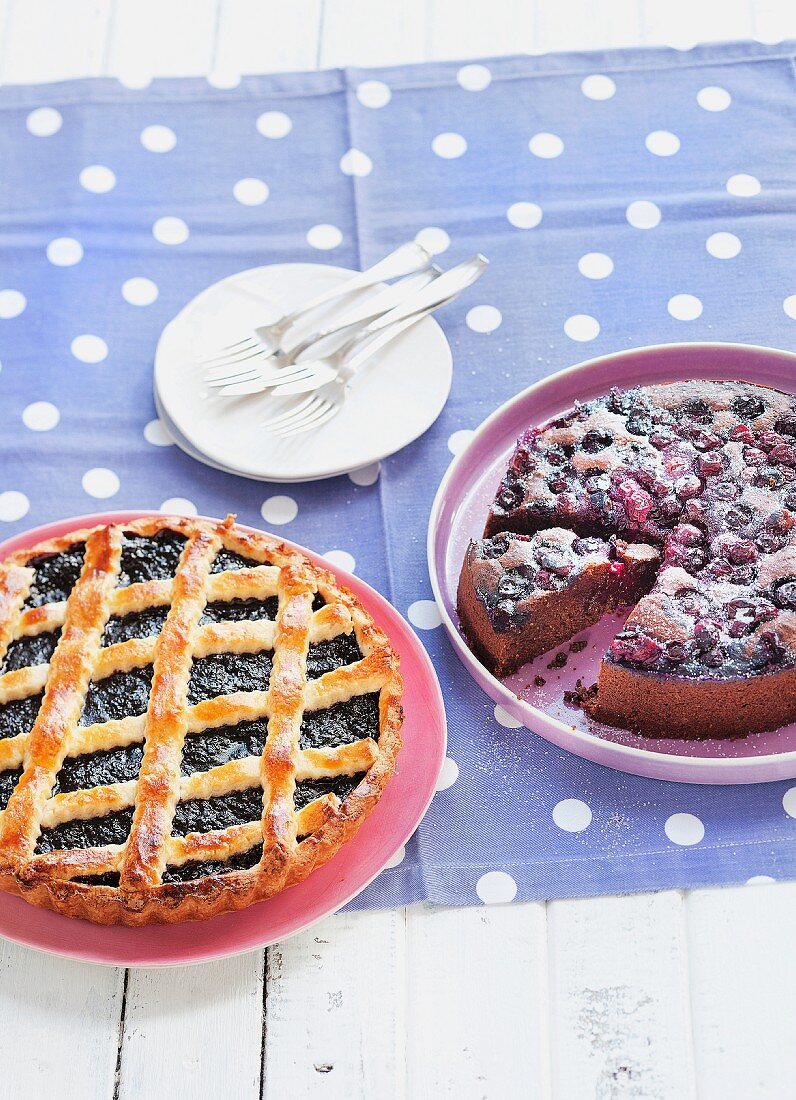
point(192, 718)
point(703, 474)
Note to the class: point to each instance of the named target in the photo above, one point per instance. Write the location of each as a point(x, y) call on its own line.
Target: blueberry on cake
point(704, 474)
point(192, 718)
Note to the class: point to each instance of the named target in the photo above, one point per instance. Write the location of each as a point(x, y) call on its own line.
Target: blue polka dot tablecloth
point(624, 198)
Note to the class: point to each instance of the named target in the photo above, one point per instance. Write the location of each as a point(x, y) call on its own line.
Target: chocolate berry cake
point(192, 718)
point(704, 474)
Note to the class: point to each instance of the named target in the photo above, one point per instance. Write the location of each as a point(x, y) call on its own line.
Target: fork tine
point(235, 376)
point(226, 354)
point(261, 353)
point(327, 411)
point(256, 382)
point(289, 414)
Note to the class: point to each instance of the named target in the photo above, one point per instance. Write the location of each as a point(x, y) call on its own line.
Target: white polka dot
point(582, 327)
point(684, 829)
point(448, 774)
point(713, 98)
point(546, 146)
point(98, 179)
point(723, 245)
point(396, 859)
point(684, 307)
point(324, 236)
point(356, 163)
point(179, 506)
point(100, 482)
point(449, 145)
point(743, 186)
point(89, 349)
point(483, 318)
point(44, 122)
point(274, 124)
point(682, 43)
point(524, 215)
point(157, 434)
point(12, 303)
point(135, 79)
point(595, 265)
point(373, 93)
point(139, 291)
point(459, 440)
point(643, 214)
point(662, 143)
point(496, 888)
point(474, 78)
point(424, 614)
point(13, 506)
point(572, 815)
point(789, 802)
point(503, 718)
point(341, 559)
point(366, 475)
point(64, 251)
point(279, 510)
point(598, 86)
point(760, 880)
point(251, 191)
point(433, 239)
point(170, 230)
point(789, 305)
point(223, 79)
point(158, 139)
point(41, 416)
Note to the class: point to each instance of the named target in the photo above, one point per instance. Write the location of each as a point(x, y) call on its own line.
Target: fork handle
point(352, 365)
point(404, 260)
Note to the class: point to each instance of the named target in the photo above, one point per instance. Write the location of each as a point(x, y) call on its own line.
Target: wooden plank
point(584, 25)
point(470, 28)
point(477, 1019)
point(46, 40)
point(263, 36)
point(743, 990)
point(335, 1010)
point(361, 32)
point(60, 1025)
point(194, 1031)
point(682, 23)
point(152, 38)
point(620, 1023)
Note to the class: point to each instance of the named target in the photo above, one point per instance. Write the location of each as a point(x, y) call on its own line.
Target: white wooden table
point(656, 996)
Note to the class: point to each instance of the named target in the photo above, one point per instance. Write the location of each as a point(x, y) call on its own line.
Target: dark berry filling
point(239, 610)
point(205, 815)
point(194, 869)
point(213, 747)
point(18, 715)
point(8, 780)
point(341, 723)
point(326, 656)
point(150, 559)
point(227, 560)
point(225, 673)
point(310, 789)
point(99, 769)
point(138, 624)
point(110, 878)
point(30, 650)
point(56, 575)
point(120, 695)
point(95, 832)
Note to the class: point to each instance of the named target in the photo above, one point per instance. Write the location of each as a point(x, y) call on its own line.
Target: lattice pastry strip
point(233, 574)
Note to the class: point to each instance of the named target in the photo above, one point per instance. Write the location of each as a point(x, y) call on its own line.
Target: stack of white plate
point(398, 395)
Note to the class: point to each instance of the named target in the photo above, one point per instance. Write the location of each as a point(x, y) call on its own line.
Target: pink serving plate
point(459, 513)
point(392, 822)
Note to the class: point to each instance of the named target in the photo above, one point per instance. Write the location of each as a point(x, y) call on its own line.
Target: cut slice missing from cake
point(703, 474)
point(520, 596)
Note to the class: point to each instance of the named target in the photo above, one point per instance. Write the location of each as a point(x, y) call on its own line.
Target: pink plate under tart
point(327, 889)
point(459, 512)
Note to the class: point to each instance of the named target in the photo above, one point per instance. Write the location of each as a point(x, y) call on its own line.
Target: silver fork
point(327, 401)
point(404, 260)
point(265, 367)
